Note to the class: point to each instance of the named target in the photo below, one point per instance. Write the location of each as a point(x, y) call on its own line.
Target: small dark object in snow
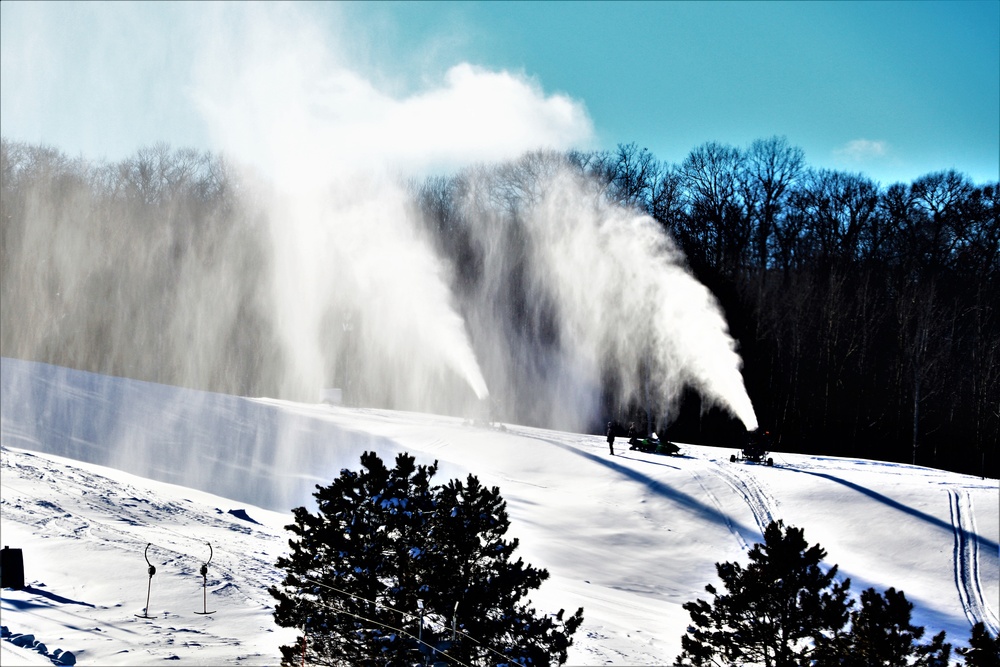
point(242, 514)
point(11, 568)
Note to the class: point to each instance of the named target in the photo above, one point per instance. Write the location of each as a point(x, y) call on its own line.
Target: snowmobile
point(654, 445)
point(756, 449)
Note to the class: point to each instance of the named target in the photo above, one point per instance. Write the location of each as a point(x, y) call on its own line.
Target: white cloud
point(274, 87)
point(862, 150)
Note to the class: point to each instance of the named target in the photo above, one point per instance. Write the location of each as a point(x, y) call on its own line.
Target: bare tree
point(772, 167)
point(711, 172)
point(634, 173)
point(940, 227)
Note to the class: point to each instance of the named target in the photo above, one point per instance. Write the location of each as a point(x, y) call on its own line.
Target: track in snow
point(966, 550)
point(722, 512)
point(761, 503)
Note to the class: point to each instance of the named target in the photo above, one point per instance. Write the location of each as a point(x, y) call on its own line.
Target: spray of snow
point(610, 289)
point(348, 283)
point(356, 278)
point(627, 298)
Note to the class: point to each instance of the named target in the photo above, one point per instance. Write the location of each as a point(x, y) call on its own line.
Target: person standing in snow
point(611, 438)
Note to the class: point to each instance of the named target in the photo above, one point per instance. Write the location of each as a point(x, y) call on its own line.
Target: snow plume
point(359, 292)
point(356, 283)
point(320, 267)
point(603, 292)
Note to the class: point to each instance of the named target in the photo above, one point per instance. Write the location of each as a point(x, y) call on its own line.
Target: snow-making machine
point(756, 448)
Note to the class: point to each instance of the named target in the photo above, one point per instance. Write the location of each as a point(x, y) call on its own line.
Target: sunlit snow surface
point(95, 468)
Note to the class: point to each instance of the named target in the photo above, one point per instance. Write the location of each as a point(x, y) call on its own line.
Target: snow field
point(630, 538)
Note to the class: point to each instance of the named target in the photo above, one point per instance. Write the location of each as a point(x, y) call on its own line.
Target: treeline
point(153, 268)
point(868, 317)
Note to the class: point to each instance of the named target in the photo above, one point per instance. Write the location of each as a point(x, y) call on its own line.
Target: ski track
point(761, 503)
point(718, 505)
point(966, 552)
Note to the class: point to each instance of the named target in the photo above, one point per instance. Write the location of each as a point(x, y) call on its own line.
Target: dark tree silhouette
point(783, 610)
point(881, 635)
point(983, 649)
point(773, 611)
point(391, 567)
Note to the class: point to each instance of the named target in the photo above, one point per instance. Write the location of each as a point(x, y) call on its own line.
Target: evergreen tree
point(347, 571)
point(881, 634)
point(773, 612)
point(783, 610)
point(474, 570)
point(984, 649)
point(392, 569)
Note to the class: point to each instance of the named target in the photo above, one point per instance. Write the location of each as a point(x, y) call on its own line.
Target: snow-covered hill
point(96, 468)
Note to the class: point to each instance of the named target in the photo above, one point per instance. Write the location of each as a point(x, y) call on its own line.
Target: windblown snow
point(95, 468)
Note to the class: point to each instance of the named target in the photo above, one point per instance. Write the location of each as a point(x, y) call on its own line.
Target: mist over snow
point(346, 251)
point(353, 279)
point(95, 468)
point(355, 275)
point(309, 254)
point(626, 299)
point(603, 287)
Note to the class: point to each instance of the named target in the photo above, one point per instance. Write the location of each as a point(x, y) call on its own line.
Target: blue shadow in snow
point(59, 599)
point(654, 463)
point(242, 514)
point(684, 500)
point(895, 504)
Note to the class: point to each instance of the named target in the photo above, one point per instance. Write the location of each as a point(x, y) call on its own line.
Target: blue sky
point(891, 89)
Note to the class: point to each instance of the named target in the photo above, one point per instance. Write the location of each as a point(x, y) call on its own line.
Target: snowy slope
point(95, 468)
